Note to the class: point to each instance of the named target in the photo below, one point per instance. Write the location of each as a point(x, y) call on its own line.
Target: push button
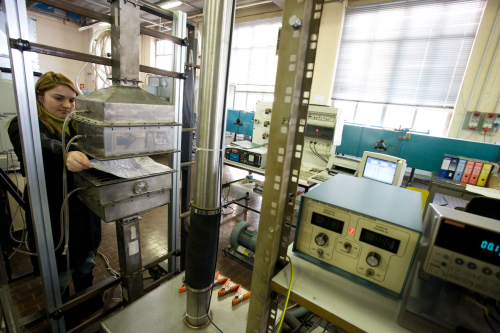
point(459, 261)
point(471, 265)
point(487, 271)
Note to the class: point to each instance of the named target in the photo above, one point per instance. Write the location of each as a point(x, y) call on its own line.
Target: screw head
point(295, 22)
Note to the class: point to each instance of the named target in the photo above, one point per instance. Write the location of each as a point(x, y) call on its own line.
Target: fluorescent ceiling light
point(95, 25)
point(171, 4)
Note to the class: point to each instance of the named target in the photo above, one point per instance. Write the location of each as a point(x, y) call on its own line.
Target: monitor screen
point(380, 170)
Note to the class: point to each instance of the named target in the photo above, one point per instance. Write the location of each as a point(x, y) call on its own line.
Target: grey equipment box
point(112, 198)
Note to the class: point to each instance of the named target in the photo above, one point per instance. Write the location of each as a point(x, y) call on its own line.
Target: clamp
point(226, 289)
point(239, 297)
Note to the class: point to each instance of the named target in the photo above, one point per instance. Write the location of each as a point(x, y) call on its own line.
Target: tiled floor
point(28, 295)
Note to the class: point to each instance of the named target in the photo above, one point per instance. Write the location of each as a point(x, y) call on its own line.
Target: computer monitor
point(382, 168)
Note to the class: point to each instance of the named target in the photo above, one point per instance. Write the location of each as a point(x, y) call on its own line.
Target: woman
point(55, 101)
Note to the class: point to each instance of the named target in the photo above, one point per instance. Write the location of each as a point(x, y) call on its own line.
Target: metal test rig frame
point(125, 73)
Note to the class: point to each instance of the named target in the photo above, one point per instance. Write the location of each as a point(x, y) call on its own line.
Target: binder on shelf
point(485, 173)
point(495, 167)
point(474, 177)
point(460, 169)
point(469, 166)
point(452, 168)
point(444, 166)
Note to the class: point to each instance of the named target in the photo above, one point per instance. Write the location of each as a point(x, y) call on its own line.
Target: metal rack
point(297, 54)
point(184, 38)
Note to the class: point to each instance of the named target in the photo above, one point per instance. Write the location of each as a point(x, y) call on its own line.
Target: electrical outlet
point(474, 120)
point(488, 121)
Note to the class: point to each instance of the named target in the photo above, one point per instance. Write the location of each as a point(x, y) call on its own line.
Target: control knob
point(321, 239)
point(373, 259)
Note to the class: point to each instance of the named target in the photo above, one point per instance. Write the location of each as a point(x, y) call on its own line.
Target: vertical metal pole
point(187, 141)
point(297, 54)
point(6, 305)
point(129, 256)
point(178, 30)
point(218, 17)
point(22, 74)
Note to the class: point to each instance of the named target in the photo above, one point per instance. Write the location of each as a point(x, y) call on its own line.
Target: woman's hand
point(77, 161)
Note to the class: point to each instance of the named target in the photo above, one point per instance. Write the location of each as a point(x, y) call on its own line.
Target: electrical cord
point(488, 322)
point(319, 155)
point(308, 317)
point(314, 152)
point(287, 295)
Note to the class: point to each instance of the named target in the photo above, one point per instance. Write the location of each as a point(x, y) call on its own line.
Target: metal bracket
point(185, 41)
point(23, 44)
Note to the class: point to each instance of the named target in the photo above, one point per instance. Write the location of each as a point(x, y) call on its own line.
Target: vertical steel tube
point(215, 47)
point(178, 30)
point(205, 208)
point(22, 74)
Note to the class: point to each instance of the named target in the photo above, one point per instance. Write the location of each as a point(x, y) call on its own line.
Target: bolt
point(295, 22)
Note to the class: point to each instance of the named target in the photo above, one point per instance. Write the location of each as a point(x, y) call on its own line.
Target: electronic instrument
point(458, 258)
point(465, 249)
point(363, 230)
point(255, 157)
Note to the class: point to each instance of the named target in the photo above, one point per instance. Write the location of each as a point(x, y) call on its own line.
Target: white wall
point(54, 32)
point(491, 87)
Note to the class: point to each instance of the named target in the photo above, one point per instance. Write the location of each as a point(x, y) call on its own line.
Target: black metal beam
point(157, 71)
point(162, 35)
point(62, 53)
point(160, 281)
point(8, 185)
point(155, 261)
point(86, 294)
point(71, 7)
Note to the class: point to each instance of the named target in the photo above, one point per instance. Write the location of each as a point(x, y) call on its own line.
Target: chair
point(484, 206)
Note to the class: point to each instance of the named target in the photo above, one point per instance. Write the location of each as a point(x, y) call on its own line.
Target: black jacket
point(84, 226)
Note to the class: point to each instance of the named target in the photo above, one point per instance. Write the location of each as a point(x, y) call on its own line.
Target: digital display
point(380, 170)
point(470, 241)
point(319, 132)
point(234, 150)
point(379, 240)
point(327, 222)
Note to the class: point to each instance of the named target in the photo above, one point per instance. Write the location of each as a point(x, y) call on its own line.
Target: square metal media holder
point(112, 141)
point(112, 198)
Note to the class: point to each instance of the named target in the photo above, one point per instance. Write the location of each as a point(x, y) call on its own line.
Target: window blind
point(406, 52)
point(253, 53)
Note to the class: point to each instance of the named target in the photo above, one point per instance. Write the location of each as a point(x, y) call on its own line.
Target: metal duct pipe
point(218, 18)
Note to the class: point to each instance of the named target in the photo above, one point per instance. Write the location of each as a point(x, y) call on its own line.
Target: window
point(401, 63)
point(164, 54)
point(406, 52)
point(426, 120)
point(254, 62)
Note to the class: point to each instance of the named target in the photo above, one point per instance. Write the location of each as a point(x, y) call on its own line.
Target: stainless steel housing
point(104, 141)
point(125, 105)
point(112, 198)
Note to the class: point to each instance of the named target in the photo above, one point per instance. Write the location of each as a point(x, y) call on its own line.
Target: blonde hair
point(49, 81)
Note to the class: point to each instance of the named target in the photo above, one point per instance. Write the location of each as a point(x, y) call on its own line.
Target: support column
point(27, 114)
point(178, 30)
point(218, 18)
point(129, 256)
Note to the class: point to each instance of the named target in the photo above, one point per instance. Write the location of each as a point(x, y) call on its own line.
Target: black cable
point(489, 324)
point(314, 152)
point(319, 155)
point(306, 319)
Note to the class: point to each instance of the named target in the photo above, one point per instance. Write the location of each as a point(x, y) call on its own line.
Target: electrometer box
point(363, 230)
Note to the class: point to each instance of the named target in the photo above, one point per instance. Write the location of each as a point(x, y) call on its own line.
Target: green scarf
point(58, 120)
